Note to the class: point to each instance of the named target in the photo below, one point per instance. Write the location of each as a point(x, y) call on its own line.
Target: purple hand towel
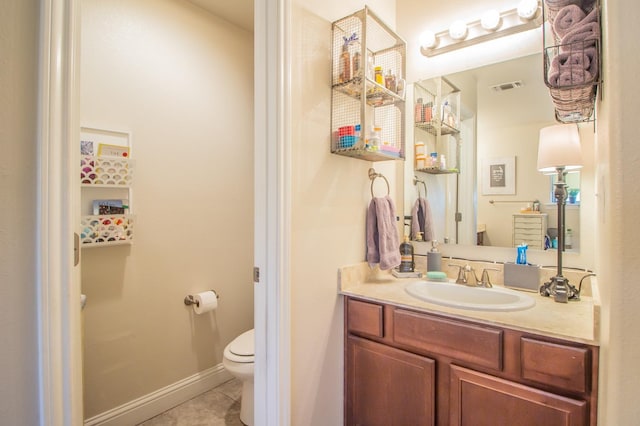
point(383, 244)
point(422, 220)
point(566, 19)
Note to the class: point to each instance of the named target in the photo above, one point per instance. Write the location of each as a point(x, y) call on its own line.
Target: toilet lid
point(243, 345)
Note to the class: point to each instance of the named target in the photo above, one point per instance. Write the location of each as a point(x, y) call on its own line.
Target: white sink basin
point(472, 298)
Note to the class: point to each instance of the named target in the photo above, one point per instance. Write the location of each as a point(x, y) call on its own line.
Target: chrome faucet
point(463, 271)
point(485, 281)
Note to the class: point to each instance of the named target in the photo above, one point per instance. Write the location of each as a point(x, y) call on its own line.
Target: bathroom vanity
point(409, 362)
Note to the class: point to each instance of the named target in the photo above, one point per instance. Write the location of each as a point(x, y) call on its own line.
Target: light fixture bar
point(512, 23)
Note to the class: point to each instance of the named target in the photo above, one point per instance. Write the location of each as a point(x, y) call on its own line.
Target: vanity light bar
point(511, 23)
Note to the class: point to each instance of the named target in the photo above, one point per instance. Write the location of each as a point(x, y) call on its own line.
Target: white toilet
point(238, 360)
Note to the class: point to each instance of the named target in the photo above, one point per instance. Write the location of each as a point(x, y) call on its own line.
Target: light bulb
point(458, 30)
point(491, 20)
point(527, 9)
point(428, 40)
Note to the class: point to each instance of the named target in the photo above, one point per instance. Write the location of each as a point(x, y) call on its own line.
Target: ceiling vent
point(507, 86)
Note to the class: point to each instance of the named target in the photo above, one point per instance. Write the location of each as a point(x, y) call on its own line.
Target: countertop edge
point(354, 280)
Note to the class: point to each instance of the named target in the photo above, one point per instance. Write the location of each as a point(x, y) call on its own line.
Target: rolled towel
point(571, 59)
point(592, 54)
point(569, 77)
point(559, 4)
point(585, 33)
point(591, 17)
point(566, 19)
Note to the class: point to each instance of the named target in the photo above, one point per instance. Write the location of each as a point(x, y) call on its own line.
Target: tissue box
point(522, 277)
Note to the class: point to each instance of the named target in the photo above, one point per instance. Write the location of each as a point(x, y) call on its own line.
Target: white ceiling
point(238, 12)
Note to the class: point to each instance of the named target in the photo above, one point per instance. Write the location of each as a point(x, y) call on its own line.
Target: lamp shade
point(559, 146)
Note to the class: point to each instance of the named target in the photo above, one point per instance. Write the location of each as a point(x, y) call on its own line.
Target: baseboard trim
point(154, 403)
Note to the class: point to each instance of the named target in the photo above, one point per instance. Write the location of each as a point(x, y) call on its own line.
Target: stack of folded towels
point(577, 32)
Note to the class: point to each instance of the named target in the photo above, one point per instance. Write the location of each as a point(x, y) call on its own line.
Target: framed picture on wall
point(499, 176)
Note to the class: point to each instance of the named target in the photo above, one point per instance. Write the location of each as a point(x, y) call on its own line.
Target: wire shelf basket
point(572, 65)
point(572, 74)
point(367, 104)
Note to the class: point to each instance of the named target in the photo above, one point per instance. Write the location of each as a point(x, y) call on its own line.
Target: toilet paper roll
point(206, 301)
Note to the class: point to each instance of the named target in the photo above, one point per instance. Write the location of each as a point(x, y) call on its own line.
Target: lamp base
point(560, 289)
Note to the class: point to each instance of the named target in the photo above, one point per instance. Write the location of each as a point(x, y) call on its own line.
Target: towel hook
point(416, 180)
point(373, 175)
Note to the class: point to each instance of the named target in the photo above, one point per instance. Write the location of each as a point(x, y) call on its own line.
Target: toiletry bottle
point(433, 159)
point(406, 256)
point(434, 258)
point(400, 87)
point(443, 162)
point(345, 64)
point(568, 239)
point(428, 112)
point(522, 254)
point(418, 112)
point(370, 65)
point(378, 76)
point(390, 81)
point(374, 138)
point(357, 64)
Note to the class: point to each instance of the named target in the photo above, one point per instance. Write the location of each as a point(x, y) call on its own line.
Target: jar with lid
point(378, 76)
point(390, 81)
point(374, 138)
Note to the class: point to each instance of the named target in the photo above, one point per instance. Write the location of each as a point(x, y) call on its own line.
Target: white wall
point(618, 200)
point(181, 80)
point(18, 167)
point(330, 194)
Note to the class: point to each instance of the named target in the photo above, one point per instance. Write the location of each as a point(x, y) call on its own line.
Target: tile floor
point(218, 407)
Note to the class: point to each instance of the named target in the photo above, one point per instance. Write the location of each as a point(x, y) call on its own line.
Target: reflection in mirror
point(504, 106)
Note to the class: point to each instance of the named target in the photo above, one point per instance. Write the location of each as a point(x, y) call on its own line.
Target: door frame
point(58, 281)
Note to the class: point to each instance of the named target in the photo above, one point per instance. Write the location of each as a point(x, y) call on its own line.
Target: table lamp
point(559, 152)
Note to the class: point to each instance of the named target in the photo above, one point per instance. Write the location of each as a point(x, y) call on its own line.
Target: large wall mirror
point(504, 106)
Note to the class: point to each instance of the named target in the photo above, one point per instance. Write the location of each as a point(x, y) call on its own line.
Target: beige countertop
point(575, 321)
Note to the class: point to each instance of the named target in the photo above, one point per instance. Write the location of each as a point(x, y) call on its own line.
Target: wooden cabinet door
point(478, 399)
point(387, 386)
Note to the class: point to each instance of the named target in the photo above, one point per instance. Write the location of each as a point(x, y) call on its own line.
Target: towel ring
point(416, 181)
point(373, 175)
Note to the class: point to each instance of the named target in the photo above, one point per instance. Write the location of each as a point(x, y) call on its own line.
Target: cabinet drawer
point(558, 365)
point(465, 342)
point(365, 318)
point(537, 221)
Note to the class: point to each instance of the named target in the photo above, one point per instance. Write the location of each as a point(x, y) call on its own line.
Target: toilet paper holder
point(190, 300)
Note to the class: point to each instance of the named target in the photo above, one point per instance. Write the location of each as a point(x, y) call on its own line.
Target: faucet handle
point(485, 281)
point(462, 273)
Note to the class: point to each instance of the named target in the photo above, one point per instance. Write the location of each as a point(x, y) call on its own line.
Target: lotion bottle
point(434, 258)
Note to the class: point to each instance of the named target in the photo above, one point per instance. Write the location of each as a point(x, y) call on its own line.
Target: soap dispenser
point(406, 256)
point(434, 257)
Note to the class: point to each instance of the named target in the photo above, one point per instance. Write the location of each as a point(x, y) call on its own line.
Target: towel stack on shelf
point(572, 65)
point(575, 59)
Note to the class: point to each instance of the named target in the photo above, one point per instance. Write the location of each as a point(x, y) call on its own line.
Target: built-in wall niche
point(106, 178)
